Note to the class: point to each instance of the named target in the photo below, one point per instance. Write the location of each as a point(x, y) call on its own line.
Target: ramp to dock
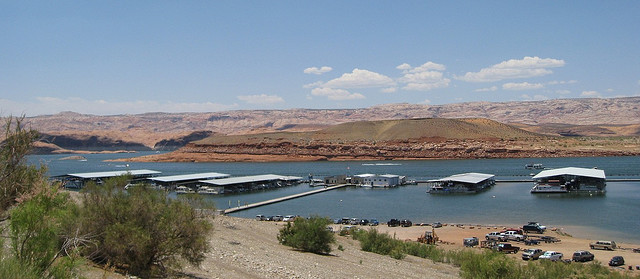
point(281, 199)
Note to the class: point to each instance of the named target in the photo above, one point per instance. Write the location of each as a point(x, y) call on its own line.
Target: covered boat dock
point(253, 182)
point(573, 179)
point(471, 182)
point(172, 181)
point(79, 180)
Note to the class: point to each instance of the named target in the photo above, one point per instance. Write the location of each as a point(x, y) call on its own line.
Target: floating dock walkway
point(281, 199)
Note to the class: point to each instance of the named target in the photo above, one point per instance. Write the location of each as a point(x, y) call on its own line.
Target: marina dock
point(281, 199)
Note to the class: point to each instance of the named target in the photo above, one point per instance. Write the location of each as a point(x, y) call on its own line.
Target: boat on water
point(205, 190)
point(534, 166)
point(464, 183)
point(184, 190)
point(570, 179)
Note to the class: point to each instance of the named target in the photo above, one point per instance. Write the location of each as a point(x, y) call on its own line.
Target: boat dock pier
point(281, 199)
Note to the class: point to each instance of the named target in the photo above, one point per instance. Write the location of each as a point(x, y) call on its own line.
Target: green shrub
point(310, 235)
point(17, 179)
point(141, 230)
point(379, 243)
point(37, 233)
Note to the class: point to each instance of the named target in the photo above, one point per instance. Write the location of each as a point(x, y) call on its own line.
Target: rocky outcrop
point(175, 143)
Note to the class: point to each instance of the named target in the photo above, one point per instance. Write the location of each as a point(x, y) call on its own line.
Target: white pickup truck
point(513, 235)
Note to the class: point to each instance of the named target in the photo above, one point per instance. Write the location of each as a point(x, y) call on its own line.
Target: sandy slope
point(244, 248)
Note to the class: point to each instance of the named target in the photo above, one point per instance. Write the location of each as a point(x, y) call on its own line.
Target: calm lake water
point(614, 215)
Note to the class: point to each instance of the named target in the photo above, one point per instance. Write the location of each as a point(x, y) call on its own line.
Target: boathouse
point(253, 182)
point(385, 180)
point(471, 182)
point(172, 181)
point(79, 180)
point(573, 179)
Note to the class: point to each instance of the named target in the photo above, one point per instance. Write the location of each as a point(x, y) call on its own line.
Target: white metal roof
point(471, 177)
point(596, 173)
point(187, 177)
point(249, 179)
point(90, 175)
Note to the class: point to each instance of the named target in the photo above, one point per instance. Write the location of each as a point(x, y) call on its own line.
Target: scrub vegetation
point(140, 231)
point(487, 264)
point(309, 235)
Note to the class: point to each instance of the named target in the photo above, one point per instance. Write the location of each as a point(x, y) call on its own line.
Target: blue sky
point(129, 57)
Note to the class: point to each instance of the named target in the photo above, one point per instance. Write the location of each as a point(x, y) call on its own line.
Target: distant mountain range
point(567, 117)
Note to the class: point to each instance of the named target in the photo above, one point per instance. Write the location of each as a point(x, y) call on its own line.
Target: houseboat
point(571, 179)
point(465, 183)
point(184, 190)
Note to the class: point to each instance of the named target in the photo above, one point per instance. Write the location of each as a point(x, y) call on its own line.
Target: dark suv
point(393, 223)
point(406, 223)
point(616, 261)
point(534, 227)
point(582, 256)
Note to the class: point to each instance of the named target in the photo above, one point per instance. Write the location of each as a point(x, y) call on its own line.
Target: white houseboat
point(462, 183)
point(571, 179)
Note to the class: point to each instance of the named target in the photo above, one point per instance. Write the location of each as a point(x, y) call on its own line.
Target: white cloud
point(318, 71)
point(389, 90)
point(423, 78)
point(360, 79)
point(425, 102)
point(522, 86)
point(52, 105)
point(534, 98)
point(591, 94)
point(336, 94)
point(610, 90)
point(511, 69)
point(262, 99)
point(563, 92)
point(312, 85)
point(406, 67)
point(428, 67)
point(555, 82)
point(487, 89)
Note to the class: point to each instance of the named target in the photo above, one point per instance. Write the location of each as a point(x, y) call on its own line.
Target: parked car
point(406, 223)
point(278, 218)
point(345, 220)
point(260, 217)
point(532, 254)
point(268, 218)
point(470, 242)
point(364, 222)
point(551, 255)
point(616, 261)
point(513, 235)
point(337, 221)
point(534, 227)
point(393, 223)
point(373, 222)
point(354, 221)
point(495, 236)
point(289, 218)
point(603, 244)
point(506, 248)
point(582, 256)
point(436, 225)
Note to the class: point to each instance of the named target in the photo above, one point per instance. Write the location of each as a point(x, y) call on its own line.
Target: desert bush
point(310, 235)
point(379, 243)
point(17, 179)
point(37, 231)
point(141, 230)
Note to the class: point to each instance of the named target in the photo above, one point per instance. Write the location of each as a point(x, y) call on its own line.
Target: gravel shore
point(244, 248)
